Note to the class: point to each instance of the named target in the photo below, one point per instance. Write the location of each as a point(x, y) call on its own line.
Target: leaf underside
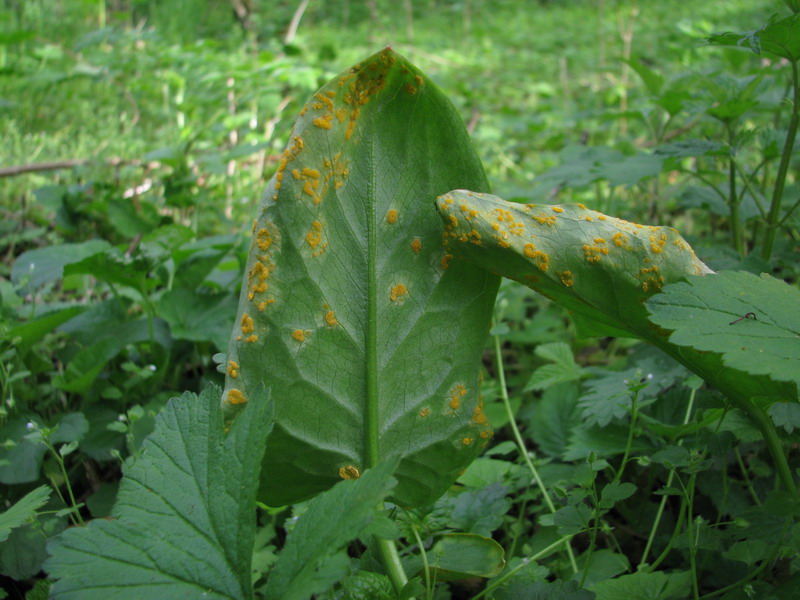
point(602, 269)
point(369, 339)
point(598, 267)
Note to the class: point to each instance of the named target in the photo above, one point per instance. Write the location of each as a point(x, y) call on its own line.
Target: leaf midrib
point(371, 365)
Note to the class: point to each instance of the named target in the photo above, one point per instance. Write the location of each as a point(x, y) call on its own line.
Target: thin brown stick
point(57, 165)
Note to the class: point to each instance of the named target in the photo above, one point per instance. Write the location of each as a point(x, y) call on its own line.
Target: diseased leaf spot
point(446, 260)
point(416, 245)
point(657, 243)
point(425, 412)
point(263, 239)
point(391, 216)
point(557, 209)
point(323, 122)
point(330, 319)
point(236, 397)
point(478, 416)
point(299, 335)
point(467, 441)
point(398, 293)
point(247, 324)
point(540, 259)
point(349, 472)
point(314, 239)
point(252, 339)
point(566, 278)
point(262, 306)
point(456, 393)
point(233, 369)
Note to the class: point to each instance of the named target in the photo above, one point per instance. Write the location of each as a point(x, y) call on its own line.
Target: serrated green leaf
point(370, 339)
point(645, 586)
point(752, 322)
point(22, 510)
point(554, 417)
point(615, 492)
point(365, 585)
point(476, 511)
point(786, 415)
point(603, 564)
point(781, 36)
point(564, 368)
point(184, 519)
point(542, 590)
point(314, 556)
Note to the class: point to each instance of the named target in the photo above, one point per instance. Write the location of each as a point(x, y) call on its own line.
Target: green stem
point(747, 481)
point(426, 568)
point(693, 548)
point(663, 503)
point(77, 518)
point(783, 168)
point(521, 443)
point(593, 536)
point(390, 558)
point(631, 429)
point(764, 423)
point(733, 199)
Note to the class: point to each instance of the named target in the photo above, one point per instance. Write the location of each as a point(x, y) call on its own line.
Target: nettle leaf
point(786, 415)
point(184, 521)
point(368, 336)
point(615, 492)
point(752, 322)
point(478, 511)
point(315, 557)
point(780, 36)
point(562, 368)
point(645, 586)
point(23, 510)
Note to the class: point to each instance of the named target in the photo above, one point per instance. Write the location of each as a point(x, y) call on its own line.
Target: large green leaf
point(184, 522)
point(351, 312)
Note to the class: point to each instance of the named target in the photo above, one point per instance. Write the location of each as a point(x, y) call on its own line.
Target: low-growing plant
point(354, 392)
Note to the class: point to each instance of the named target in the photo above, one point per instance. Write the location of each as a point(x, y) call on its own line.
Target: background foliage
point(137, 140)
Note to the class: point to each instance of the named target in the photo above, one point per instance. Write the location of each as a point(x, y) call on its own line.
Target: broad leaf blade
point(368, 338)
point(184, 520)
